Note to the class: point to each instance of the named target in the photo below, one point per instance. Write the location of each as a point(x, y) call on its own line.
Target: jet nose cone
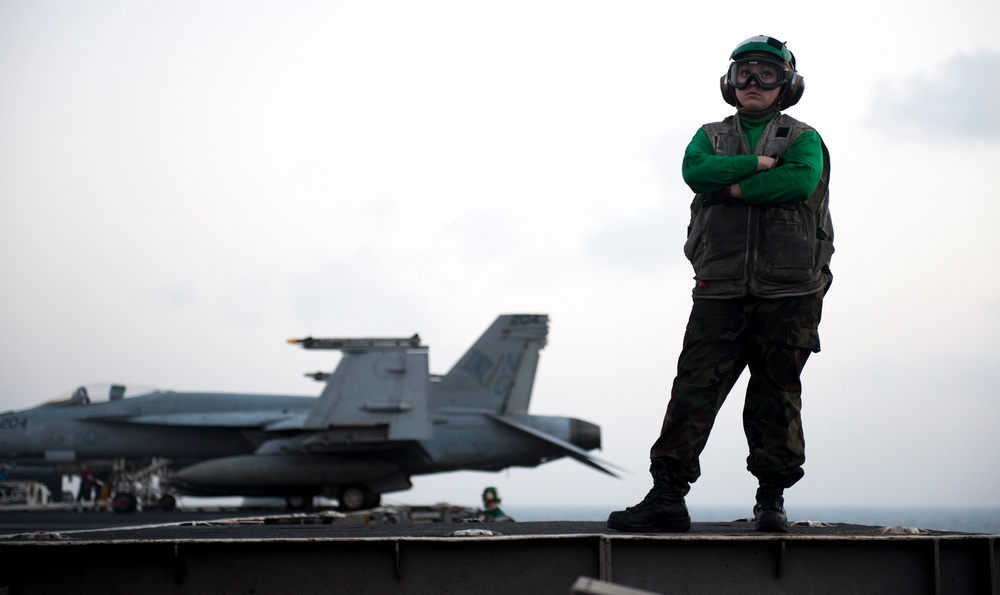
point(586, 435)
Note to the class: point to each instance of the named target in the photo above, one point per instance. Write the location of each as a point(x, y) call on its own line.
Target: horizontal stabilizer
point(569, 449)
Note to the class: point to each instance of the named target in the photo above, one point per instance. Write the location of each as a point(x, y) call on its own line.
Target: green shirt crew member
point(491, 506)
point(760, 242)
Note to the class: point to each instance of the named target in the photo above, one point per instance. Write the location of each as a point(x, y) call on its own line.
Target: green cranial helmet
point(756, 57)
point(766, 45)
point(490, 493)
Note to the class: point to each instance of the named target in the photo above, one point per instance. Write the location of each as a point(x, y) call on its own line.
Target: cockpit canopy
point(100, 392)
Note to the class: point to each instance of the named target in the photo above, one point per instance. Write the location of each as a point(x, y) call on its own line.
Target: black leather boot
point(662, 509)
point(769, 512)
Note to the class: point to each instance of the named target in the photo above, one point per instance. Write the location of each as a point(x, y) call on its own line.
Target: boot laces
point(769, 497)
point(660, 490)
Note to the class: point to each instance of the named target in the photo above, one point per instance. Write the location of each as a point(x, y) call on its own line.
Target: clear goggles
point(769, 74)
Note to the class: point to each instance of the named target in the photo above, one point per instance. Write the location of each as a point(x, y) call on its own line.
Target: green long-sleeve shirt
point(793, 181)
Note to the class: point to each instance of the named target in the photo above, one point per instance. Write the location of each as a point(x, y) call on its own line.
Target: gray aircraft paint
point(380, 419)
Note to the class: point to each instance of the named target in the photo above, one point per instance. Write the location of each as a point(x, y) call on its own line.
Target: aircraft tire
point(354, 497)
point(166, 502)
point(124, 503)
point(298, 502)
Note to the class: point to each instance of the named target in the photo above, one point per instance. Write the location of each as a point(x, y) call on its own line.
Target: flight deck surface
point(248, 551)
point(71, 526)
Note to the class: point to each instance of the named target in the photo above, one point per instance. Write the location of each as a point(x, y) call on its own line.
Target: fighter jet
point(381, 419)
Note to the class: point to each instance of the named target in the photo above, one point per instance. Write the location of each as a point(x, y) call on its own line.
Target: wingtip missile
point(363, 343)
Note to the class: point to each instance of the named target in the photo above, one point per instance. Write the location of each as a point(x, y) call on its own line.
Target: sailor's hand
point(765, 163)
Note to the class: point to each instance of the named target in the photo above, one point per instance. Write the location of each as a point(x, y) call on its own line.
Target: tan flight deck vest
point(769, 251)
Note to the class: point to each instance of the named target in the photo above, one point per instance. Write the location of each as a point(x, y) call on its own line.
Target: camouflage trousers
point(773, 338)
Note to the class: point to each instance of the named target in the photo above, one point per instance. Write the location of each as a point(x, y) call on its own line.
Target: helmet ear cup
point(728, 92)
point(793, 90)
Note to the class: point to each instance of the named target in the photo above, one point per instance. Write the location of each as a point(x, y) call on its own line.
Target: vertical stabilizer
point(380, 384)
point(498, 372)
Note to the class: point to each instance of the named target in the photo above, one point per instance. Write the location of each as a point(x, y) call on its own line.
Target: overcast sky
point(185, 185)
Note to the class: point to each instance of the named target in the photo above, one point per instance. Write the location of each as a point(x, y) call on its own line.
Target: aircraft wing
point(569, 449)
point(270, 420)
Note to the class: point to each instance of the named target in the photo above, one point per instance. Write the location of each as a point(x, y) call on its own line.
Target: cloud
point(958, 100)
point(639, 243)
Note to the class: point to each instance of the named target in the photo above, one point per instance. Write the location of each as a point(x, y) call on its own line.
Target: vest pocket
point(717, 242)
point(788, 244)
